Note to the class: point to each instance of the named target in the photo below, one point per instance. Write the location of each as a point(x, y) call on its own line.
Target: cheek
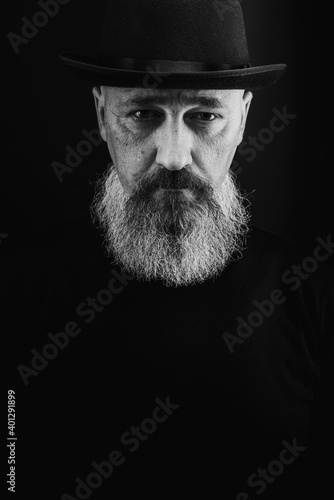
point(216, 156)
point(128, 158)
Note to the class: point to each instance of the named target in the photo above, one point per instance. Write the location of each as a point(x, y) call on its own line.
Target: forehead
point(129, 97)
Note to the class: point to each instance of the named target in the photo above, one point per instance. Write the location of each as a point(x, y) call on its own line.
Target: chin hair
point(178, 242)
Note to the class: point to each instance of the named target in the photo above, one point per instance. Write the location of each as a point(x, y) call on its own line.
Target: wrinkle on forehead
point(169, 97)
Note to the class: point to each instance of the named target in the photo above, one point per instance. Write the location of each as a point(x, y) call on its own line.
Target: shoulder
point(299, 265)
point(268, 244)
point(57, 254)
point(305, 274)
point(49, 235)
point(267, 247)
point(46, 242)
point(265, 256)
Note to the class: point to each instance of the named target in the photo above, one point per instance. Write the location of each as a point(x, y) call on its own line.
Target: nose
point(174, 145)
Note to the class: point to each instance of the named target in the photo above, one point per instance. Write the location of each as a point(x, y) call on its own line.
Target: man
point(170, 349)
point(172, 211)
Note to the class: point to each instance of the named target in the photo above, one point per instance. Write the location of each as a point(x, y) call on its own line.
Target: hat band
point(164, 66)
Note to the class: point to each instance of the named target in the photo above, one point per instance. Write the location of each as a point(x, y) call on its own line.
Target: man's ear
point(99, 100)
point(246, 102)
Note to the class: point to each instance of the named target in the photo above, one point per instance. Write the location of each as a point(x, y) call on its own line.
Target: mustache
point(171, 179)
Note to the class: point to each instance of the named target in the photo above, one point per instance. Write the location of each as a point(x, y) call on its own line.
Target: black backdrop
point(46, 109)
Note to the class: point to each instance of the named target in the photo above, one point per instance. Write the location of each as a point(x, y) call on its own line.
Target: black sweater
point(126, 388)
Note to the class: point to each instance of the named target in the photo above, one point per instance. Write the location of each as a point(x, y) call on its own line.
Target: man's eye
point(205, 117)
point(145, 114)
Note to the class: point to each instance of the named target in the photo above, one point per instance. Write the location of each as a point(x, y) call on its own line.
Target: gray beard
point(178, 241)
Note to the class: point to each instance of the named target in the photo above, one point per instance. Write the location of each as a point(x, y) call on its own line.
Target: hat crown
point(209, 31)
point(183, 44)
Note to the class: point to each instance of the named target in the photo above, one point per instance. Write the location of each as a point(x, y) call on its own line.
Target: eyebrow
point(167, 100)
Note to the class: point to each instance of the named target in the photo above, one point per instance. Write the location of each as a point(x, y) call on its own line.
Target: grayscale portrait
point(166, 252)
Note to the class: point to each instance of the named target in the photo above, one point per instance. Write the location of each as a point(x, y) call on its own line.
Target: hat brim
point(252, 78)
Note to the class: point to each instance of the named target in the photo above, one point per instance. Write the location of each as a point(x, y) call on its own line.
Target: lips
point(175, 181)
point(174, 188)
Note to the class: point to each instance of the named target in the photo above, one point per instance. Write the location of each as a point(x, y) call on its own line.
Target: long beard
point(179, 240)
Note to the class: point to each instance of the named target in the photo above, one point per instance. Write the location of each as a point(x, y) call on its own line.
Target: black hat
point(186, 44)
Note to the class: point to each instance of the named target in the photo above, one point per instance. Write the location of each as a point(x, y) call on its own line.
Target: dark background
point(46, 109)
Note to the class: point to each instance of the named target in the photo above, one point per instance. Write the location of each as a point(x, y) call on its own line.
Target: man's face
point(150, 129)
point(169, 205)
